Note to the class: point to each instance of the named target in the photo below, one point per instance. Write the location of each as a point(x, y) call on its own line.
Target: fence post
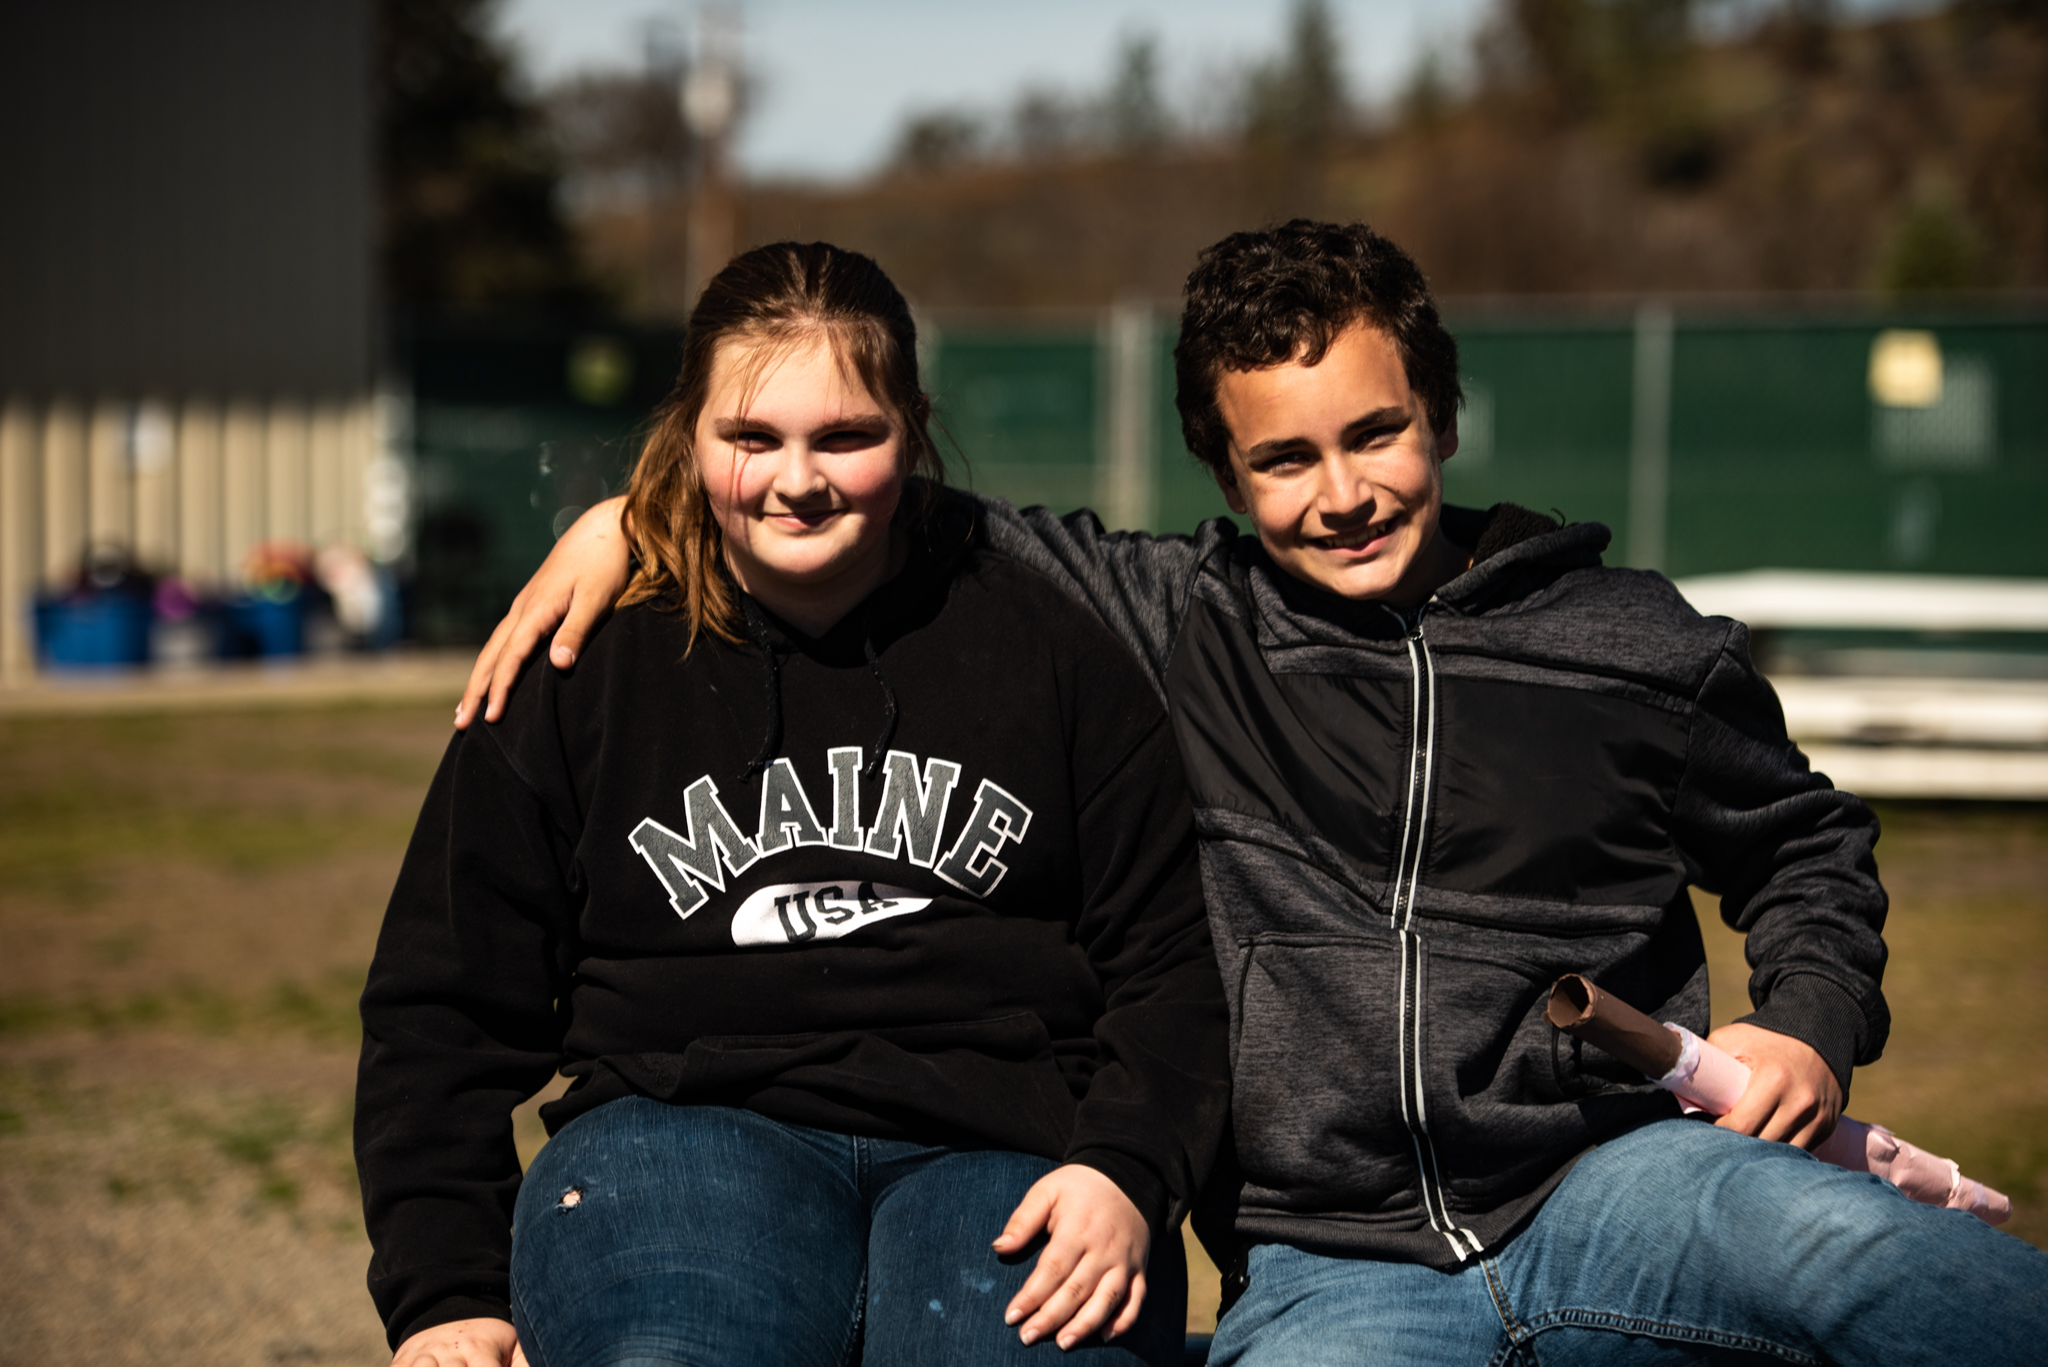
point(110, 492)
point(201, 559)
point(327, 497)
point(242, 479)
point(1127, 478)
point(20, 513)
point(285, 443)
point(63, 484)
point(1649, 461)
point(153, 453)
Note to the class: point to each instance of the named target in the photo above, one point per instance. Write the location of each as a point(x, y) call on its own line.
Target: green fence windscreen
point(1777, 446)
point(1778, 452)
point(1546, 422)
point(514, 431)
point(1020, 405)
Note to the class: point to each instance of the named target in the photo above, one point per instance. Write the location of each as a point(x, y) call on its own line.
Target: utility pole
point(711, 104)
point(1649, 460)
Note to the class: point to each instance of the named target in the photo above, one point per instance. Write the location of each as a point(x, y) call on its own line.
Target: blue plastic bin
point(263, 628)
point(101, 631)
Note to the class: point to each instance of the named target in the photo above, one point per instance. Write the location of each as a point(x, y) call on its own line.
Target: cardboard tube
point(1709, 1079)
point(1611, 1025)
point(1706, 1078)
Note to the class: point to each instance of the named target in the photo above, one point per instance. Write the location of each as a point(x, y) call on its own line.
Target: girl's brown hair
point(772, 297)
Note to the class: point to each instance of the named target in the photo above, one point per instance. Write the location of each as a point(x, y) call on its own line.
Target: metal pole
point(711, 105)
point(1649, 463)
point(1126, 478)
point(20, 511)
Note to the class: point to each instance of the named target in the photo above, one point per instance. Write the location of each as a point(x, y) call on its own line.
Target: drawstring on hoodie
point(772, 680)
point(867, 645)
point(771, 742)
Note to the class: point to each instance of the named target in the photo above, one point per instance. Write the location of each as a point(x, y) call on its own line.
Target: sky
point(834, 79)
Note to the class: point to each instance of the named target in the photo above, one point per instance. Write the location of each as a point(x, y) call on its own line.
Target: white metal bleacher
point(1915, 732)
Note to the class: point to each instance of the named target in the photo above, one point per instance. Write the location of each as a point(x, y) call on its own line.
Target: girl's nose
point(798, 474)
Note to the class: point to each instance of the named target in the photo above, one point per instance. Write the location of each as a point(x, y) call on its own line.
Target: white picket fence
point(187, 487)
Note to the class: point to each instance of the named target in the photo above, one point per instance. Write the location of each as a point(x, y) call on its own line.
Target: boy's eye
point(1379, 434)
point(1280, 462)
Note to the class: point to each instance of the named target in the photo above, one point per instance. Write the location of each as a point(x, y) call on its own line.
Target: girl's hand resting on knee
point(462, 1343)
point(1091, 1272)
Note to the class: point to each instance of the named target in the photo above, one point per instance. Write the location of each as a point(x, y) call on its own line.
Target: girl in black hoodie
point(849, 877)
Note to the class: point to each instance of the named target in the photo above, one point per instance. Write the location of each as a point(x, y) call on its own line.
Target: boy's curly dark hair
point(1260, 299)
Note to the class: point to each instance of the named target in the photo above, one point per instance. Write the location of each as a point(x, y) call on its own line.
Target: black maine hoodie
point(928, 876)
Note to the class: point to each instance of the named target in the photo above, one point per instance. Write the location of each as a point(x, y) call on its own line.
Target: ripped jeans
point(650, 1233)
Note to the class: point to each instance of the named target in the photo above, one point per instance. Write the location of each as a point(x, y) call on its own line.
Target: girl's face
point(803, 469)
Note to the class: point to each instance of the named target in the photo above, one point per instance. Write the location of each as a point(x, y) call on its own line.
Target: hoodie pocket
point(1315, 1099)
point(1510, 1097)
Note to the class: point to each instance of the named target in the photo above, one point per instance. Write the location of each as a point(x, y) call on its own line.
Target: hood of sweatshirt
point(939, 531)
point(1515, 552)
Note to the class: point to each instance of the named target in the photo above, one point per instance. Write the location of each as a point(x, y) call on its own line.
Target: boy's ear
point(1226, 480)
point(1447, 440)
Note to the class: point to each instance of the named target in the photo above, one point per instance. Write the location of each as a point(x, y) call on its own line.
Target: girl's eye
point(850, 439)
point(753, 440)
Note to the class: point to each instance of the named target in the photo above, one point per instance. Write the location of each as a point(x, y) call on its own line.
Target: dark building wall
point(185, 196)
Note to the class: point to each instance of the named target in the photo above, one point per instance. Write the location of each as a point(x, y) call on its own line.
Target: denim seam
point(863, 1182)
point(850, 1355)
point(539, 1355)
point(1682, 1333)
point(1511, 1350)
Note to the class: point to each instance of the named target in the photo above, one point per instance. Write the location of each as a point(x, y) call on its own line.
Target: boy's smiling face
point(1339, 471)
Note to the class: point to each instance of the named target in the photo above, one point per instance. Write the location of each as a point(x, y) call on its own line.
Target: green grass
point(242, 793)
point(321, 1011)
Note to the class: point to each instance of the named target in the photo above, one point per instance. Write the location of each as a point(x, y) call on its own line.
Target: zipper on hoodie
point(1407, 874)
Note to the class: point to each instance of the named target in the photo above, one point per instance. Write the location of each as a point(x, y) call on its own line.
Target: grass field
point(189, 901)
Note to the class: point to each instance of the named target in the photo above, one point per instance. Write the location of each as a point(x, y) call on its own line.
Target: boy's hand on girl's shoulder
point(1091, 1273)
point(575, 586)
point(1792, 1097)
point(462, 1343)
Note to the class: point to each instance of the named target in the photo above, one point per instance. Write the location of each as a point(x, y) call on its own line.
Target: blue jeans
point(1676, 1243)
point(650, 1233)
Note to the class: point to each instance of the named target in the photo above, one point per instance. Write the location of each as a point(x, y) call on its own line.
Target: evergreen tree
point(1133, 113)
point(468, 219)
point(1298, 100)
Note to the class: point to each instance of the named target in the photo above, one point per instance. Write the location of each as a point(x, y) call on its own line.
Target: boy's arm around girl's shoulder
point(1138, 585)
point(1792, 858)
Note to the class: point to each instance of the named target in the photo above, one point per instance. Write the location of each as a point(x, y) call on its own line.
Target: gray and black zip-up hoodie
point(1412, 823)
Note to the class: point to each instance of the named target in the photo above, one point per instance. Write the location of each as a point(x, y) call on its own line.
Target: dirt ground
point(189, 902)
